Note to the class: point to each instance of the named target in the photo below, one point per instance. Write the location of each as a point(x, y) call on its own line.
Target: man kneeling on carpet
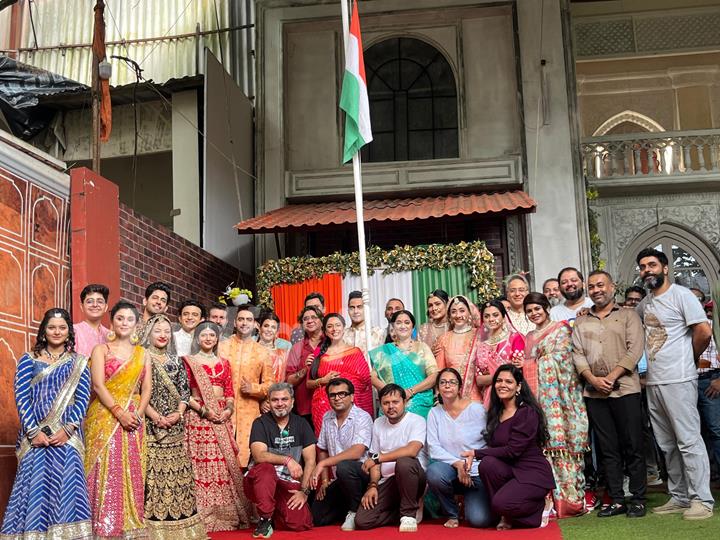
point(396, 466)
point(342, 446)
point(282, 448)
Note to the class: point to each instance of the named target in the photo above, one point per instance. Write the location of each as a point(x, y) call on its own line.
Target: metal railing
point(645, 155)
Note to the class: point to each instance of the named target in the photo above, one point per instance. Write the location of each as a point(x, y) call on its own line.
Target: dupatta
point(223, 432)
point(405, 368)
point(100, 424)
point(71, 368)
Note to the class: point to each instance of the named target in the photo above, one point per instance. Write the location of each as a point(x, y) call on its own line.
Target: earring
point(517, 392)
point(134, 338)
point(111, 336)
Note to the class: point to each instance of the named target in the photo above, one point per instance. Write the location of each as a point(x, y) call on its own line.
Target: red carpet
point(432, 530)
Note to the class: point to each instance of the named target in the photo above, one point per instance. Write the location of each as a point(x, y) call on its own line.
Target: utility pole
point(99, 16)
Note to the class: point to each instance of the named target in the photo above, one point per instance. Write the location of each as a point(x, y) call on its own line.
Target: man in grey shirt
point(676, 334)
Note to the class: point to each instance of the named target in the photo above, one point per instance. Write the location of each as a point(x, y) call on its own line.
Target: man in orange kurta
point(252, 375)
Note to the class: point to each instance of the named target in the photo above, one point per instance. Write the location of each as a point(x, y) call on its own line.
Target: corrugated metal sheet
point(64, 22)
point(308, 216)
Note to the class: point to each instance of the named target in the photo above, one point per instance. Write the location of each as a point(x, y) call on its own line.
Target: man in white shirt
point(572, 287)
point(192, 313)
point(396, 466)
point(355, 333)
point(676, 333)
point(344, 439)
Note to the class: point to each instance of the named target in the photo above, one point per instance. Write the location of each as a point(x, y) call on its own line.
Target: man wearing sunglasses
point(344, 439)
point(282, 446)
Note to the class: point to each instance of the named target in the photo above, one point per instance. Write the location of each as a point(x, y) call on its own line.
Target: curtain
point(454, 280)
point(289, 299)
point(382, 288)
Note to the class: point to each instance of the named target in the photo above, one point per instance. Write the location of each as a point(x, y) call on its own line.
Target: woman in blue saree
point(52, 388)
point(406, 362)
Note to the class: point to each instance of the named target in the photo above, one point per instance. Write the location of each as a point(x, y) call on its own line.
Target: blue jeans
point(710, 413)
point(443, 481)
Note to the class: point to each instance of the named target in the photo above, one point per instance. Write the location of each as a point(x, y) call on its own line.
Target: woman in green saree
point(406, 362)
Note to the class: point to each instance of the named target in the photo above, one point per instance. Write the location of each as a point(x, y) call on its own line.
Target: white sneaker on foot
point(408, 524)
point(349, 523)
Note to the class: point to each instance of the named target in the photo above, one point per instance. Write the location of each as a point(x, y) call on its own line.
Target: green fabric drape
point(454, 280)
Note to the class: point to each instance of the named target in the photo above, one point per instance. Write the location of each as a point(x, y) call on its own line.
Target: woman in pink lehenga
point(209, 435)
point(337, 359)
point(115, 431)
point(500, 344)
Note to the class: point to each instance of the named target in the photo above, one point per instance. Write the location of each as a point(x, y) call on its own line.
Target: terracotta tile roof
point(318, 215)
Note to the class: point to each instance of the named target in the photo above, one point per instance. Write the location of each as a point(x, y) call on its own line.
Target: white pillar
point(185, 166)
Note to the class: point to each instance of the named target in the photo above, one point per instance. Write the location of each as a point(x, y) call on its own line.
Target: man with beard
point(551, 290)
point(607, 345)
point(283, 457)
point(342, 446)
point(676, 334)
point(396, 466)
point(572, 287)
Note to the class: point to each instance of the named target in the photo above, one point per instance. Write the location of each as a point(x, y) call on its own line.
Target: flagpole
point(359, 213)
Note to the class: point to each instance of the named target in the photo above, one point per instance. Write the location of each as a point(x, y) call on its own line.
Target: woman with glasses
point(454, 426)
point(337, 359)
point(437, 312)
point(301, 357)
point(407, 363)
point(516, 289)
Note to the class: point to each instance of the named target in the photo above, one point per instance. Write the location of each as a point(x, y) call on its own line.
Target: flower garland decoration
point(475, 256)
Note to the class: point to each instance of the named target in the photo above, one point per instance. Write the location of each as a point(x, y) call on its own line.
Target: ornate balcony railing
point(647, 155)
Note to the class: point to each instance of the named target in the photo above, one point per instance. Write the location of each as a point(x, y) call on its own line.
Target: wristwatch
point(376, 458)
point(306, 491)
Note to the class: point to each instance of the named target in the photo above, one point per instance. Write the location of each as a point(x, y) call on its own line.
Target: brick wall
point(150, 252)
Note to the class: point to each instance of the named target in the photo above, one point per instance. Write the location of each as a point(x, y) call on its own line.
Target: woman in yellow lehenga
point(114, 431)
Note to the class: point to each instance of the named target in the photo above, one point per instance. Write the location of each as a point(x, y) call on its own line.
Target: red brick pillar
point(95, 234)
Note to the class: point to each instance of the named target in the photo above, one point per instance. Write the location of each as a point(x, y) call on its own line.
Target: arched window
point(413, 102)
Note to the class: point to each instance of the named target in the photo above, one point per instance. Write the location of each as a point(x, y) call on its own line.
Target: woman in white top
point(455, 425)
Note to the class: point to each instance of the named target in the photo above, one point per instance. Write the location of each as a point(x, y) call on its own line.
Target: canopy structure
point(300, 217)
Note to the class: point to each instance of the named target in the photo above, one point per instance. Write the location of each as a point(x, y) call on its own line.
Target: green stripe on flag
point(350, 103)
point(454, 280)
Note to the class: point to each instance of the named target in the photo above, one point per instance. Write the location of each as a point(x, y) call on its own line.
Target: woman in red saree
point(337, 359)
point(209, 435)
point(500, 344)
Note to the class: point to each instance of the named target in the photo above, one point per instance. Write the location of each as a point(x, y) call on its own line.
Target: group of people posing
point(140, 430)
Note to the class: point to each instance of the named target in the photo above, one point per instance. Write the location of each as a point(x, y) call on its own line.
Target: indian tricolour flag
point(354, 97)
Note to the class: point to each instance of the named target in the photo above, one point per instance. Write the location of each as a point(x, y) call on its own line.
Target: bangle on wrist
point(372, 485)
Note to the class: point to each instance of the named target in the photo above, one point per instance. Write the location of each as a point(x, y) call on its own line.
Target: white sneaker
point(349, 523)
point(408, 524)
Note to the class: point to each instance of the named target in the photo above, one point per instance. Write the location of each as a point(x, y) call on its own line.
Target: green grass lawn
point(652, 526)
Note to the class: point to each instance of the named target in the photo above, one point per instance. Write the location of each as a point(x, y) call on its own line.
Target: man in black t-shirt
point(282, 448)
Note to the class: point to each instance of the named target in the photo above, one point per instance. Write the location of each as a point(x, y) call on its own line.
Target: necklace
point(463, 330)
point(53, 357)
point(403, 346)
point(443, 325)
point(492, 340)
point(152, 349)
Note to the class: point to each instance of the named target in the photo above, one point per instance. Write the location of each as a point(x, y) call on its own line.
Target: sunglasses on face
point(338, 395)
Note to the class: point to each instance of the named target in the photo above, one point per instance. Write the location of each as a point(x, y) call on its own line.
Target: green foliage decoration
point(475, 256)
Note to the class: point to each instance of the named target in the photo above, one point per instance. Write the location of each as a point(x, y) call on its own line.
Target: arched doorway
point(692, 262)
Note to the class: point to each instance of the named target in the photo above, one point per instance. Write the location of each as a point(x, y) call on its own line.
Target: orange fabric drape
point(289, 299)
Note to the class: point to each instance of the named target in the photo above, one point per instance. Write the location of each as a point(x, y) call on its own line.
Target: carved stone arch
point(640, 119)
point(45, 223)
point(704, 252)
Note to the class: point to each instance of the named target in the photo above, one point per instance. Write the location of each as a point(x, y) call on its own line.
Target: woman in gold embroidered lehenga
point(209, 435)
point(170, 504)
point(115, 434)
